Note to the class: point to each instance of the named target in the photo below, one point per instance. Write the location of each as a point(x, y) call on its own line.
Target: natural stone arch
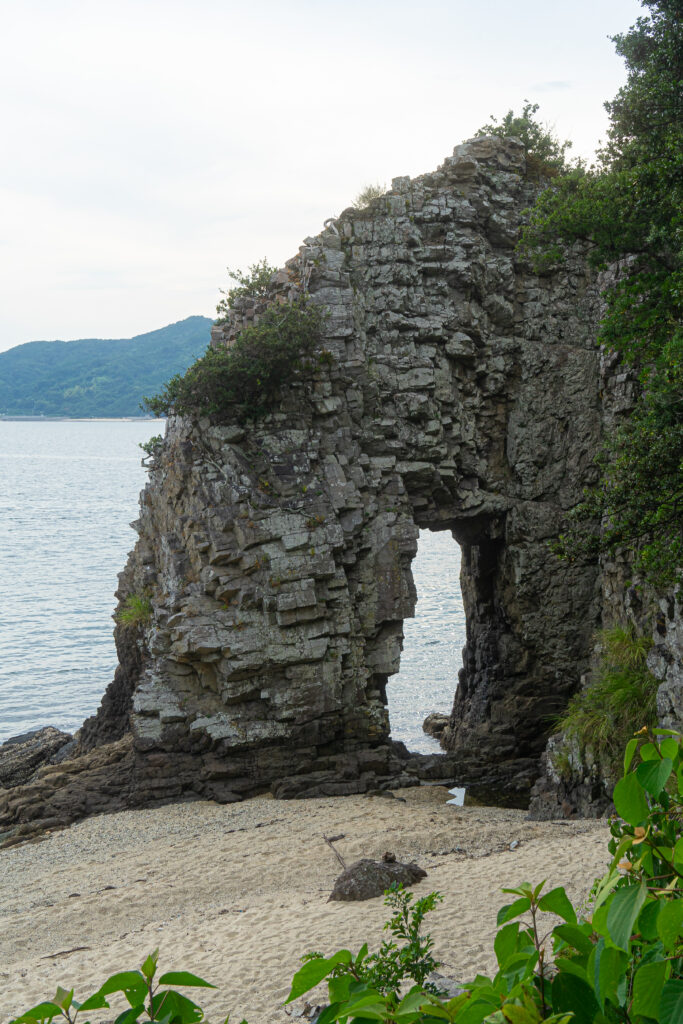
point(462, 395)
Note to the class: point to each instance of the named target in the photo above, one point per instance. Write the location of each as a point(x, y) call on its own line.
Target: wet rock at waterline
point(21, 756)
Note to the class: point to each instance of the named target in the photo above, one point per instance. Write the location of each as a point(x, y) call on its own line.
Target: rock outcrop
point(462, 392)
point(21, 756)
point(462, 395)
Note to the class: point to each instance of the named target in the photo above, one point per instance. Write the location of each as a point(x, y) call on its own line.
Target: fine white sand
point(238, 893)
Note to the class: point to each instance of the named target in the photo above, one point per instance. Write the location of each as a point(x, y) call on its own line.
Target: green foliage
point(152, 446)
point(623, 698)
point(383, 971)
point(136, 610)
point(146, 1000)
point(630, 210)
point(639, 498)
point(253, 284)
point(622, 964)
point(244, 381)
point(96, 377)
point(545, 153)
point(367, 194)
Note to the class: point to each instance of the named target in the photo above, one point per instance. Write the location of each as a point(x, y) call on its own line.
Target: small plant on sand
point(136, 610)
point(391, 965)
point(147, 1001)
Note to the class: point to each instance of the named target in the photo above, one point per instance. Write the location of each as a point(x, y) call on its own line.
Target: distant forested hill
point(97, 377)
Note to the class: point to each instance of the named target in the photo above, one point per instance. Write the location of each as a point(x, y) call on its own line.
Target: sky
point(149, 145)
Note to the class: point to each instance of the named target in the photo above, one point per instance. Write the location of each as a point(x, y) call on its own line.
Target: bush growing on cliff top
point(243, 382)
point(253, 284)
point(545, 153)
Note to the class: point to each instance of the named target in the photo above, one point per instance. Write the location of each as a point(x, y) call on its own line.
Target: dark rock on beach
point(368, 878)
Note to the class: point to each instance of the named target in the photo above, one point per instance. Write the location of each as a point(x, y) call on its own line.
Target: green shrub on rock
point(244, 381)
point(623, 698)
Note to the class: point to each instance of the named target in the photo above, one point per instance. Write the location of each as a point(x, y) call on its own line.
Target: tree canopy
point(629, 209)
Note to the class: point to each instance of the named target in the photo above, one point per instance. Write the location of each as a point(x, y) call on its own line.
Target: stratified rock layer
point(462, 395)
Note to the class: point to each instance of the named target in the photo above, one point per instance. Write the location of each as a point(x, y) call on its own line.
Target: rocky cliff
point(462, 392)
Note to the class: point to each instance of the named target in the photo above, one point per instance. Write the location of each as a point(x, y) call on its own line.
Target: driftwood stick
point(334, 851)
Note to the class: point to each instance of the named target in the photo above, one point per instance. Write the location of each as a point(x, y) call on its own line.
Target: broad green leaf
point(505, 942)
point(567, 966)
point(671, 1002)
point(338, 988)
point(629, 752)
point(574, 936)
point(64, 997)
point(630, 801)
point(518, 1015)
point(570, 993)
point(557, 902)
point(606, 968)
point(131, 1015)
point(670, 922)
point(314, 971)
point(511, 910)
point(183, 978)
point(362, 953)
point(131, 983)
point(600, 916)
point(436, 1012)
point(653, 775)
point(649, 752)
point(180, 1009)
point(670, 748)
point(647, 988)
point(647, 919)
point(607, 884)
point(623, 911)
point(148, 969)
point(329, 1014)
point(94, 1002)
point(42, 1011)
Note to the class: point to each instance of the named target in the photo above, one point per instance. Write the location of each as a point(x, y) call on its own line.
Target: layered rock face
point(461, 394)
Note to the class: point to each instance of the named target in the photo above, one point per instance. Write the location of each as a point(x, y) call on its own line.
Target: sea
point(68, 494)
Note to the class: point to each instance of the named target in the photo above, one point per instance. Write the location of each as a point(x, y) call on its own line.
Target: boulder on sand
point(368, 878)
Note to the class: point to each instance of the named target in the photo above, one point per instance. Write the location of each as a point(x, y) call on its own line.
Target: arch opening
point(433, 643)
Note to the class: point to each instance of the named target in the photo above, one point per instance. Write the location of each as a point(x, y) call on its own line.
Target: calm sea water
point(68, 493)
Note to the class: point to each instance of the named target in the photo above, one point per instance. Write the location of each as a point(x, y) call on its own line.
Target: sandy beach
point(237, 893)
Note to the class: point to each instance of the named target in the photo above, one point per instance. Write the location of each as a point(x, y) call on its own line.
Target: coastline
point(238, 893)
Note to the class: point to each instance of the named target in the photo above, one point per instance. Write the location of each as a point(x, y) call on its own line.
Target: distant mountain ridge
point(97, 376)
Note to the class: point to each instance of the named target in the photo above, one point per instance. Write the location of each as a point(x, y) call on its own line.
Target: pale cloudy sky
point(150, 144)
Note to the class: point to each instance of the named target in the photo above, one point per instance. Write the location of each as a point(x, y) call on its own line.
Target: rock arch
point(463, 395)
